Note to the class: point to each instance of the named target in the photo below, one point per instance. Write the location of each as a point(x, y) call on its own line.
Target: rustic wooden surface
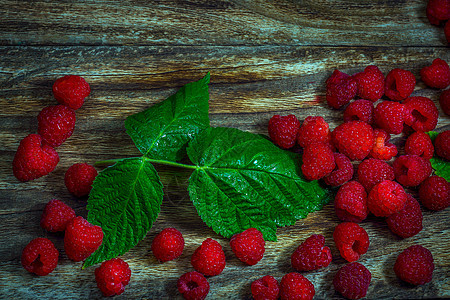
point(265, 57)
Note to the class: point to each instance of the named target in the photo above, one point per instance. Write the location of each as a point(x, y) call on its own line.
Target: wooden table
point(265, 58)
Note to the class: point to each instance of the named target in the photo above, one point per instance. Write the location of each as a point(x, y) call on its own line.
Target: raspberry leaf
point(439, 165)
point(432, 135)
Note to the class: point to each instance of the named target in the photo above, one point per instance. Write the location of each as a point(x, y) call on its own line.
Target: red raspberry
point(442, 145)
point(421, 113)
point(318, 161)
point(354, 139)
point(386, 198)
point(411, 170)
point(341, 88)
point(370, 83)
point(415, 265)
point(81, 239)
point(437, 75)
point(283, 130)
point(209, 258)
point(168, 244)
point(70, 90)
point(265, 288)
point(343, 171)
point(351, 240)
point(408, 221)
point(294, 286)
point(193, 286)
point(40, 257)
point(399, 84)
point(350, 203)
point(390, 116)
point(447, 31)
point(419, 143)
point(56, 124)
point(359, 110)
point(438, 11)
point(381, 148)
point(352, 281)
point(56, 215)
point(313, 130)
point(372, 171)
point(444, 99)
point(112, 277)
point(434, 193)
point(312, 254)
point(79, 179)
point(248, 246)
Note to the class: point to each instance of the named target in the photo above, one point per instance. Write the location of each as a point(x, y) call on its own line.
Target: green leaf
point(441, 167)
point(163, 130)
point(433, 135)
point(243, 180)
point(125, 201)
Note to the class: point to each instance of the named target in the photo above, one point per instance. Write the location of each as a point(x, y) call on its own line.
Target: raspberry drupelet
point(421, 113)
point(359, 110)
point(209, 258)
point(40, 257)
point(112, 276)
point(442, 145)
point(390, 116)
point(283, 130)
point(350, 203)
point(351, 240)
point(354, 139)
point(399, 84)
point(415, 265)
point(341, 88)
point(312, 254)
point(56, 215)
point(444, 99)
point(370, 83)
point(81, 239)
point(372, 171)
point(296, 286)
point(419, 143)
point(408, 221)
point(265, 288)
point(168, 244)
point(352, 281)
point(343, 171)
point(248, 246)
point(71, 90)
point(434, 193)
point(79, 179)
point(193, 286)
point(386, 198)
point(56, 124)
point(411, 170)
point(313, 130)
point(382, 149)
point(317, 161)
point(437, 75)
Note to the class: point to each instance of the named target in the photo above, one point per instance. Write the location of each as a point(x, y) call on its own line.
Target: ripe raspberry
point(351, 240)
point(411, 170)
point(381, 148)
point(318, 161)
point(295, 286)
point(112, 277)
point(56, 124)
point(209, 258)
point(370, 83)
point(434, 193)
point(415, 265)
point(442, 145)
point(265, 288)
point(438, 11)
point(386, 198)
point(350, 203)
point(283, 130)
point(193, 286)
point(354, 139)
point(408, 221)
point(81, 238)
point(437, 75)
point(399, 84)
point(447, 31)
point(359, 110)
point(79, 179)
point(390, 116)
point(372, 171)
point(352, 281)
point(341, 88)
point(343, 171)
point(168, 244)
point(312, 254)
point(56, 215)
point(421, 113)
point(313, 130)
point(34, 158)
point(70, 90)
point(419, 143)
point(248, 246)
point(40, 257)
point(444, 99)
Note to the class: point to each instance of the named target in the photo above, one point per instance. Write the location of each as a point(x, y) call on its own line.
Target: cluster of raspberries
point(438, 13)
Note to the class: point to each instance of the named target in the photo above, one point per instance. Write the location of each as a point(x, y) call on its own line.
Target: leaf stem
point(156, 161)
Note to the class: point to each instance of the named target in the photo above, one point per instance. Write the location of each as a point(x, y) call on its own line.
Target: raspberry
point(390, 116)
point(81, 238)
point(437, 75)
point(168, 244)
point(295, 286)
point(411, 170)
point(399, 84)
point(283, 130)
point(40, 257)
point(248, 246)
point(447, 31)
point(70, 90)
point(193, 286)
point(352, 281)
point(341, 88)
point(343, 171)
point(419, 143)
point(386, 198)
point(381, 148)
point(313, 129)
point(442, 145)
point(408, 221)
point(312, 254)
point(318, 161)
point(351, 240)
point(415, 265)
point(56, 215)
point(354, 139)
point(438, 11)
point(112, 277)
point(79, 179)
point(209, 258)
point(421, 113)
point(350, 203)
point(434, 193)
point(56, 124)
point(444, 99)
point(372, 171)
point(370, 83)
point(265, 288)
point(359, 110)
